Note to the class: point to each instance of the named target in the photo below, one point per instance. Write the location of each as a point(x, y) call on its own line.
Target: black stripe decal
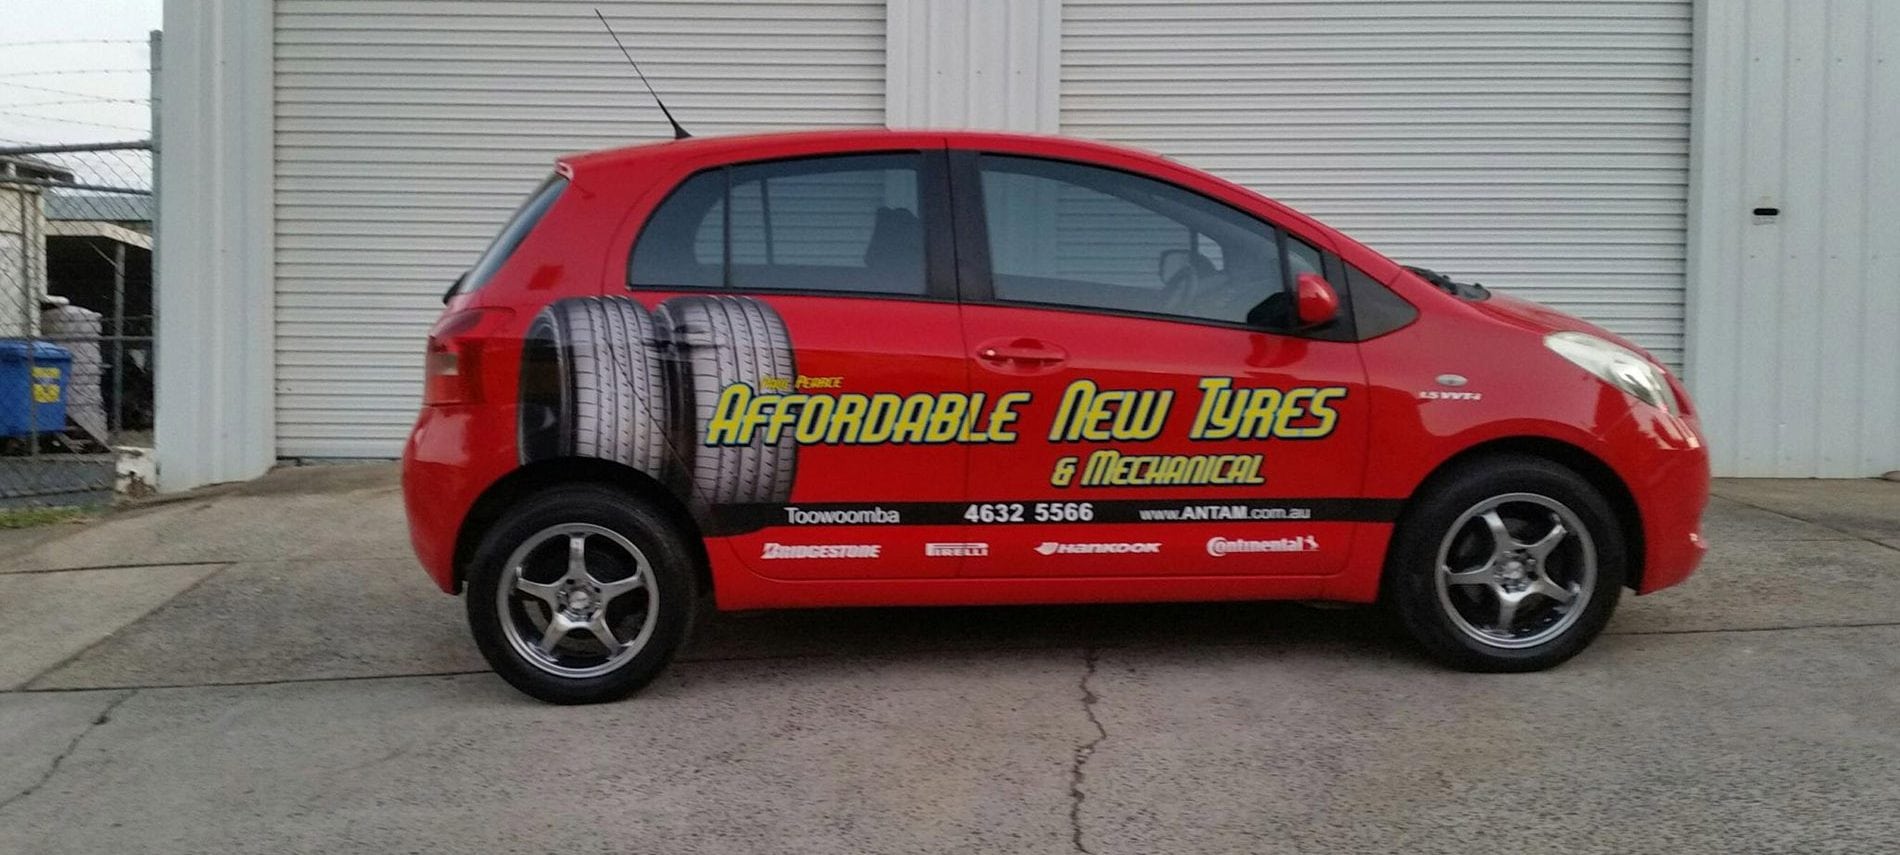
point(743, 518)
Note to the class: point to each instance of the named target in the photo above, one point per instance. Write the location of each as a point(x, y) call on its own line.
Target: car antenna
point(679, 133)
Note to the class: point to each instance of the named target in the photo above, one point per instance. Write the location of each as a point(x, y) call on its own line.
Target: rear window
point(839, 223)
point(512, 234)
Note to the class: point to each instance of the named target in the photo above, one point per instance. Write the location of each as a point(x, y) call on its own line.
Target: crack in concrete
point(89, 568)
point(1879, 624)
point(1090, 658)
point(104, 716)
point(30, 689)
point(128, 625)
point(1833, 528)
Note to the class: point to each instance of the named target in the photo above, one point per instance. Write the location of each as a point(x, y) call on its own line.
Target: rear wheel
point(1507, 564)
point(582, 594)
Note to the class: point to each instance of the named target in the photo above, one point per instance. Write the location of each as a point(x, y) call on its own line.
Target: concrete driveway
point(266, 670)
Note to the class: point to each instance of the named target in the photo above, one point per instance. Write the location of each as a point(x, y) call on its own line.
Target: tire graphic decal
point(592, 385)
point(602, 377)
point(716, 343)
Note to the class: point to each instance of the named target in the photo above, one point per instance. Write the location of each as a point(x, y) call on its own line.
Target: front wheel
point(581, 594)
point(1507, 564)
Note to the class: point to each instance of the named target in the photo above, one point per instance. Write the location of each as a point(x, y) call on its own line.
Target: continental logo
point(1085, 413)
point(1050, 547)
point(1220, 546)
point(783, 551)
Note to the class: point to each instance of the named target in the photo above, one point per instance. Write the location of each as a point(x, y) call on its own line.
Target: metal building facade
point(1794, 315)
point(407, 131)
point(1545, 147)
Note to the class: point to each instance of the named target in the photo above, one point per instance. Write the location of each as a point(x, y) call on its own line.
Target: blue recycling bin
point(33, 377)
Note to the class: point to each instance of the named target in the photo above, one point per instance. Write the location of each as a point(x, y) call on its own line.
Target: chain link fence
point(76, 326)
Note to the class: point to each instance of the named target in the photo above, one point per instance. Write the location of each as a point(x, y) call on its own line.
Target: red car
point(916, 368)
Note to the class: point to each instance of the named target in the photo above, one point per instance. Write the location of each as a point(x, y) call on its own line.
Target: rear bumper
point(1666, 466)
point(439, 486)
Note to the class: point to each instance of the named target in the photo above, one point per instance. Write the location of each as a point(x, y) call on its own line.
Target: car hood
point(1542, 320)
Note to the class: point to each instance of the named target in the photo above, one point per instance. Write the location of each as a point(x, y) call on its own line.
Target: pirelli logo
point(956, 550)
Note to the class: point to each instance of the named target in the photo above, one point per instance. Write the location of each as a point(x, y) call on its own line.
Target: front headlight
point(1616, 365)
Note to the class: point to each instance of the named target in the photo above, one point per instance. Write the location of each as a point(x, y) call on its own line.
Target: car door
point(810, 314)
point(1174, 420)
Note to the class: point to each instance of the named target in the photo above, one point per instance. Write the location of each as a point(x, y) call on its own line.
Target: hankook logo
point(1220, 546)
point(776, 551)
point(1050, 547)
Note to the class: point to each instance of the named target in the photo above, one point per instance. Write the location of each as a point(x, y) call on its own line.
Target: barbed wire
point(49, 42)
point(52, 73)
point(46, 118)
point(71, 101)
point(54, 90)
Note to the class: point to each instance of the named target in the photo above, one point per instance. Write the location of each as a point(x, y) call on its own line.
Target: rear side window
point(846, 224)
point(512, 234)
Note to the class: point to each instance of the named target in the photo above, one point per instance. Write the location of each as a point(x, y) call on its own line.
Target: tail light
point(452, 369)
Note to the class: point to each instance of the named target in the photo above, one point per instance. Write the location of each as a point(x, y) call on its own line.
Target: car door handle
point(1022, 353)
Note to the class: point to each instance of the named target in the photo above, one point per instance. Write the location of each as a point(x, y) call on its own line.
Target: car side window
point(1066, 234)
point(846, 223)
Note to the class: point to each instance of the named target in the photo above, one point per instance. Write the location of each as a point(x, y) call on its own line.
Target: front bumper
point(1664, 463)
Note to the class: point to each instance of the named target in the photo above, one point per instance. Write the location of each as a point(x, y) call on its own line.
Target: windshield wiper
point(1467, 290)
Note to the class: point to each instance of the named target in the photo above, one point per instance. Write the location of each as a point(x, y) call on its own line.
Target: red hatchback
point(896, 368)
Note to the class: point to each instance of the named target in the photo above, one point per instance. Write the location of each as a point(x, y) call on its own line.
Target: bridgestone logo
point(956, 550)
point(844, 516)
point(1228, 546)
point(1053, 548)
point(774, 551)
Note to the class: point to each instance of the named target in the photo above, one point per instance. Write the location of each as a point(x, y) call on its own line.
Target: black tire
point(592, 385)
point(1448, 618)
point(716, 342)
point(673, 584)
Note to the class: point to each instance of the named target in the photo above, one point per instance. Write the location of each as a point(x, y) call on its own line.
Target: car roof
point(742, 146)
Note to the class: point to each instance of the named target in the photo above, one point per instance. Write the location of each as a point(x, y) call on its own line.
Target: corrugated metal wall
point(973, 64)
point(1795, 330)
point(1541, 146)
point(407, 131)
point(1538, 146)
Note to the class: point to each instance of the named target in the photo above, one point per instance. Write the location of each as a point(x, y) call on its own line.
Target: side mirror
point(1315, 300)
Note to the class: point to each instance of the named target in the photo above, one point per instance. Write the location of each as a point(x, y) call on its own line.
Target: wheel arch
point(526, 479)
point(1579, 460)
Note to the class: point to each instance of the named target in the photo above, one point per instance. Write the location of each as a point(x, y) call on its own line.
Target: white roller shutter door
point(406, 132)
point(1537, 146)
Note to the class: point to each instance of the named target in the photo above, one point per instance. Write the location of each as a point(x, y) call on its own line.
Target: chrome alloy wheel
point(577, 600)
point(1515, 571)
